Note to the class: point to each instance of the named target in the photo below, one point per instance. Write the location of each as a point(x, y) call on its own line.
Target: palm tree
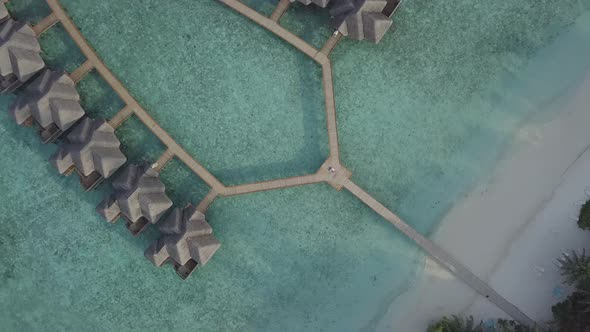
point(513, 326)
point(575, 268)
point(455, 324)
point(572, 315)
point(584, 219)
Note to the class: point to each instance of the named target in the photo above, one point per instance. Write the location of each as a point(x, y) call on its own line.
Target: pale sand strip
point(479, 230)
point(442, 256)
point(532, 256)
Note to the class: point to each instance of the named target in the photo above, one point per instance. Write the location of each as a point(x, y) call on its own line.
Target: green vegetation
point(455, 324)
point(575, 269)
point(513, 326)
point(458, 324)
point(570, 315)
point(573, 314)
point(584, 219)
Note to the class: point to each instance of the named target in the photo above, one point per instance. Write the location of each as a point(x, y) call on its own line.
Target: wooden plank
point(120, 117)
point(330, 105)
point(331, 43)
point(164, 159)
point(80, 72)
point(45, 24)
point(207, 201)
point(273, 184)
point(280, 9)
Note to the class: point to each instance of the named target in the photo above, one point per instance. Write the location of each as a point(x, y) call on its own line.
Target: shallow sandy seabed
point(511, 228)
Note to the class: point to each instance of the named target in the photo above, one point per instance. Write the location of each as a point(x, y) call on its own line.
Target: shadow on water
point(97, 97)
point(265, 7)
point(310, 23)
point(29, 10)
point(183, 186)
point(341, 280)
point(26, 139)
point(60, 53)
point(99, 101)
point(315, 150)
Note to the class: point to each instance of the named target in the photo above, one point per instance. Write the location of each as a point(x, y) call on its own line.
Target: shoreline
point(489, 230)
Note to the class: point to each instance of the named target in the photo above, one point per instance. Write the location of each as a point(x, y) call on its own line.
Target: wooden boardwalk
point(280, 10)
point(331, 172)
point(80, 72)
point(272, 26)
point(93, 61)
point(207, 201)
point(331, 43)
point(441, 256)
point(45, 24)
point(164, 159)
point(330, 104)
point(121, 116)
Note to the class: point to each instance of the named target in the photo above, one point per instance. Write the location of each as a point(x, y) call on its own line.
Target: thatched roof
point(91, 146)
point(51, 100)
point(186, 239)
point(361, 19)
point(138, 193)
point(358, 19)
point(19, 55)
point(321, 3)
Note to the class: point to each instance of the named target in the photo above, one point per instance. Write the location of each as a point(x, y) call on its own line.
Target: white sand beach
point(511, 228)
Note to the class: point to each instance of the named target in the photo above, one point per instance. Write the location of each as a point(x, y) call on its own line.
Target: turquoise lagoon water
point(422, 117)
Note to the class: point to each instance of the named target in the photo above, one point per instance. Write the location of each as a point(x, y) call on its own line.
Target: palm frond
point(584, 219)
point(575, 268)
point(455, 324)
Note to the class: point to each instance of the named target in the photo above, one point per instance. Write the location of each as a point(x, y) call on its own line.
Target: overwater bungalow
point(321, 3)
point(187, 241)
point(138, 196)
point(20, 51)
point(359, 19)
point(92, 150)
point(51, 102)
